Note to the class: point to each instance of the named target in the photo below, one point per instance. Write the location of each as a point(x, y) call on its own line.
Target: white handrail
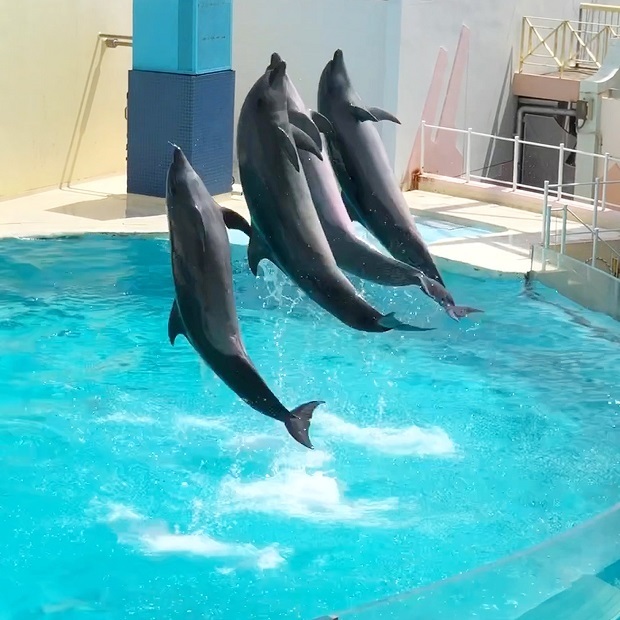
point(557, 191)
point(518, 144)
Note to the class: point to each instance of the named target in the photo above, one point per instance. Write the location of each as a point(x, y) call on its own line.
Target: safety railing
point(513, 149)
point(116, 40)
point(510, 587)
point(561, 45)
point(595, 232)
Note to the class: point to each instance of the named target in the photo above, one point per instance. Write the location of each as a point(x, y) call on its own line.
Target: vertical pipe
point(594, 246)
point(595, 205)
point(468, 157)
point(545, 214)
point(564, 218)
point(604, 189)
point(422, 146)
point(515, 163)
point(560, 170)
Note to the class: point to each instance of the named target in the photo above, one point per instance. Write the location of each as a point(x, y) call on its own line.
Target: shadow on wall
point(441, 150)
point(498, 163)
point(84, 112)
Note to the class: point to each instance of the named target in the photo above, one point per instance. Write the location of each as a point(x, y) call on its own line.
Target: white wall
point(391, 48)
point(495, 31)
point(306, 33)
point(62, 92)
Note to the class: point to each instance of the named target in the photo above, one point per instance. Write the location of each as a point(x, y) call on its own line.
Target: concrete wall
point(481, 81)
point(306, 33)
point(62, 92)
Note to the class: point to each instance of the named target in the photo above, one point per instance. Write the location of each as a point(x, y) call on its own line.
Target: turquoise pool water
point(136, 485)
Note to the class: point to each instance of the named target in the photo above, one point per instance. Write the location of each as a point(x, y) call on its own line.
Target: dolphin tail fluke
point(299, 425)
point(389, 321)
point(459, 312)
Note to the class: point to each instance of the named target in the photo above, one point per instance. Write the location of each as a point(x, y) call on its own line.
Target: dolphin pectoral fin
point(236, 221)
point(175, 323)
point(257, 251)
point(289, 148)
point(382, 115)
point(458, 312)
point(299, 424)
point(303, 122)
point(305, 143)
point(362, 114)
point(323, 123)
point(389, 321)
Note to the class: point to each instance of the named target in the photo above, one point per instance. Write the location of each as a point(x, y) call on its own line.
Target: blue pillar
point(181, 89)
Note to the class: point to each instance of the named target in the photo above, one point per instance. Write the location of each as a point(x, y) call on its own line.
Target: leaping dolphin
point(285, 226)
point(353, 255)
point(369, 188)
point(204, 307)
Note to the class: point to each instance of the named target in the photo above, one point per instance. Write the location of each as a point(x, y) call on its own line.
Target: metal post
point(604, 191)
point(515, 162)
point(422, 146)
point(468, 156)
point(560, 170)
point(594, 246)
point(545, 213)
point(597, 184)
point(563, 241)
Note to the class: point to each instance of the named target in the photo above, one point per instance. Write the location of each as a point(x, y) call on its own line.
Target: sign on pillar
point(181, 89)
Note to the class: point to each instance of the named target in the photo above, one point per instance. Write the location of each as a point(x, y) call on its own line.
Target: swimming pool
point(136, 485)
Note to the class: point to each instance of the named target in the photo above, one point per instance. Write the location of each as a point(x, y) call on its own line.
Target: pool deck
point(103, 206)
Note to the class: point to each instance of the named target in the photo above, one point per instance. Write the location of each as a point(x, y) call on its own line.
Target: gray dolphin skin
point(204, 307)
point(353, 255)
point(369, 188)
point(285, 225)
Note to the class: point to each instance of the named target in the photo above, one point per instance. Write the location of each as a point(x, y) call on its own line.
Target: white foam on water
point(258, 441)
point(153, 538)
point(315, 496)
point(405, 441)
point(113, 512)
point(159, 540)
point(190, 421)
point(121, 417)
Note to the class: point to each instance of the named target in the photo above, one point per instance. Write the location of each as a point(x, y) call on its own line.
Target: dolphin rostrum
point(353, 255)
point(285, 226)
point(204, 307)
point(369, 188)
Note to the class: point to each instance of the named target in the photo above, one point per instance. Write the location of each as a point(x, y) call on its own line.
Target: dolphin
point(369, 189)
point(285, 226)
point(354, 255)
point(204, 306)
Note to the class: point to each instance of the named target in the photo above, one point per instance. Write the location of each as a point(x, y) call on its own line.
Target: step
point(588, 598)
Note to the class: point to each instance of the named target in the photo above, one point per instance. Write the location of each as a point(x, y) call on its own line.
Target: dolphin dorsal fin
point(235, 221)
point(175, 323)
point(257, 251)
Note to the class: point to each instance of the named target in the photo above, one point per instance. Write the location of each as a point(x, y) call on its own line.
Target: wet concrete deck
point(103, 206)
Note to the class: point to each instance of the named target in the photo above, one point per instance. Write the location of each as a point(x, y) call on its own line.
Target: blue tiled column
point(181, 89)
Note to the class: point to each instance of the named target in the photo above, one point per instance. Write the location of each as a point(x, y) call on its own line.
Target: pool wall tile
point(194, 111)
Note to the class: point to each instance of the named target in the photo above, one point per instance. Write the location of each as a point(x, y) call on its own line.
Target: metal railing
point(603, 162)
point(116, 40)
point(564, 45)
point(594, 230)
